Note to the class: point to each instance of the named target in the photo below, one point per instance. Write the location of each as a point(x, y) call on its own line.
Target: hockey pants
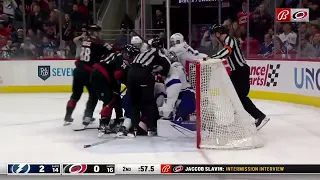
point(106, 93)
point(81, 79)
point(241, 82)
point(187, 105)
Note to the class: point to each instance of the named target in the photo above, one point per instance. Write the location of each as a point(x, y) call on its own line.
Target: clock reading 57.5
point(146, 168)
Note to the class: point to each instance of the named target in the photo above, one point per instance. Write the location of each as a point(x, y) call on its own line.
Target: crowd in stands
point(47, 32)
point(269, 39)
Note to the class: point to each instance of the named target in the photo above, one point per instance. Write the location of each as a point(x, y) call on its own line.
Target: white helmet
point(176, 38)
point(136, 41)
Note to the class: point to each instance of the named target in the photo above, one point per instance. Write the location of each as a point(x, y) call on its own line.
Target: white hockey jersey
point(185, 52)
point(175, 83)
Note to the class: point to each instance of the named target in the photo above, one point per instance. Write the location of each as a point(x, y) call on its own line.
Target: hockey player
point(137, 42)
point(141, 85)
point(106, 79)
point(92, 51)
point(182, 50)
point(180, 97)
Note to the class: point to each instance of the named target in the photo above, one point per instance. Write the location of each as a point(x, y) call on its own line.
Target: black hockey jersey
point(114, 68)
point(92, 51)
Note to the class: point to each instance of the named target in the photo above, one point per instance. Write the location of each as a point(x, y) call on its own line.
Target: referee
point(141, 83)
point(240, 71)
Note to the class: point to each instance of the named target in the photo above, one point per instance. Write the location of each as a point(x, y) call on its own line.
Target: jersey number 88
point(85, 54)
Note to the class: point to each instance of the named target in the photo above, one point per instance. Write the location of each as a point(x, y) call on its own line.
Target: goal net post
point(222, 121)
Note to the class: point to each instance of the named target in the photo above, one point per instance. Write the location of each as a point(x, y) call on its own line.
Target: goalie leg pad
point(187, 105)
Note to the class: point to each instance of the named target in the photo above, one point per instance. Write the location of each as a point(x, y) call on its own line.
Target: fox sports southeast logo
point(300, 15)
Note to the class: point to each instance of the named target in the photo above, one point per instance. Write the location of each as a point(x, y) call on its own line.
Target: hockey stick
point(108, 105)
point(98, 143)
point(127, 19)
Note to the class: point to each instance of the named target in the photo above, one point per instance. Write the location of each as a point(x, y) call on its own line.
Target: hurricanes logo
point(75, 168)
point(178, 169)
point(283, 15)
point(300, 15)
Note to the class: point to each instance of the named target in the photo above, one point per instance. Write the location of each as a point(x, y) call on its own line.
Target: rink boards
point(296, 81)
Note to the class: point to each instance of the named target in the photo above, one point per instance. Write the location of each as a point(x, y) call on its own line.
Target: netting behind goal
point(222, 122)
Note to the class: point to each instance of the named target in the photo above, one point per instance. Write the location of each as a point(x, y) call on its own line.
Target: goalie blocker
point(221, 121)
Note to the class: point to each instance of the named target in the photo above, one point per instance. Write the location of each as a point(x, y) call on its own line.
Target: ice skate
point(123, 132)
point(104, 127)
point(152, 132)
point(262, 121)
point(67, 121)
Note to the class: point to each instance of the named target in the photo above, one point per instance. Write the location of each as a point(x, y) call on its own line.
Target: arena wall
point(295, 81)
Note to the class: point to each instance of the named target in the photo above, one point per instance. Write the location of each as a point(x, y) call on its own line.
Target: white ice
point(31, 131)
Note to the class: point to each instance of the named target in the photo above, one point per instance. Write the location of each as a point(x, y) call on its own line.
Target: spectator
point(271, 32)
point(289, 3)
point(316, 44)
point(28, 48)
point(266, 48)
point(288, 37)
point(314, 28)
point(208, 45)
point(306, 49)
point(314, 11)
point(8, 50)
point(242, 17)
point(258, 28)
point(236, 31)
point(17, 37)
point(36, 19)
point(46, 47)
point(82, 8)
point(18, 17)
point(9, 6)
point(4, 31)
point(123, 39)
point(280, 48)
point(77, 18)
point(160, 20)
point(264, 15)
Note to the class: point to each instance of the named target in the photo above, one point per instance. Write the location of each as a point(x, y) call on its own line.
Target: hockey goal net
point(222, 122)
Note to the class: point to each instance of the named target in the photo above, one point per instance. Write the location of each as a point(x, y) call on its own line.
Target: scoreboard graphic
point(114, 169)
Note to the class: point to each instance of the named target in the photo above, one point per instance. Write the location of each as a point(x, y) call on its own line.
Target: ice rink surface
point(31, 130)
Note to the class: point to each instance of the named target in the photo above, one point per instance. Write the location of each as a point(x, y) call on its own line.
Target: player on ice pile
point(106, 79)
point(182, 50)
point(92, 51)
point(180, 97)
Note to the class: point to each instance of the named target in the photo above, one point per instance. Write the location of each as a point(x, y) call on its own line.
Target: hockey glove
point(158, 78)
point(165, 112)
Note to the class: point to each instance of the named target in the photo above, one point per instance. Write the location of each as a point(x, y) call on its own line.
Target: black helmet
point(131, 50)
point(218, 28)
point(157, 43)
point(94, 27)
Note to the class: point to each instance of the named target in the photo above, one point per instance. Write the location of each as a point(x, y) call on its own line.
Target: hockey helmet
point(176, 38)
point(136, 41)
point(157, 43)
point(218, 28)
point(94, 27)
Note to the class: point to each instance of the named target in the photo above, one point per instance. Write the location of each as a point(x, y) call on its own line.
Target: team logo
point(75, 168)
point(283, 14)
point(300, 15)
point(20, 168)
point(44, 72)
point(166, 168)
point(178, 169)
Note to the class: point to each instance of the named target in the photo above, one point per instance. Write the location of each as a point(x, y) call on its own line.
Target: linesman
point(240, 71)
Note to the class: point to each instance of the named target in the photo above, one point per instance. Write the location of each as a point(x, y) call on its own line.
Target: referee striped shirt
point(152, 59)
point(231, 52)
